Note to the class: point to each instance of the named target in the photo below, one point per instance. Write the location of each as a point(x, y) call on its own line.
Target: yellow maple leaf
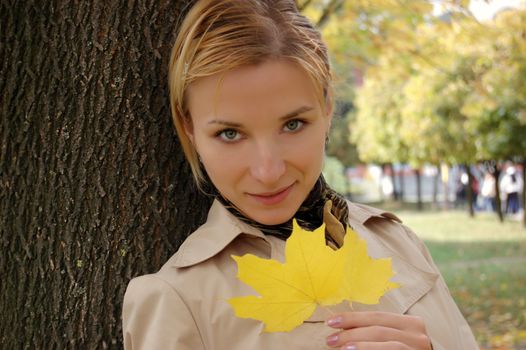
point(313, 274)
point(365, 279)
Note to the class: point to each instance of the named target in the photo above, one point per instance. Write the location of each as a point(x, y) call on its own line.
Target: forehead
point(272, 87)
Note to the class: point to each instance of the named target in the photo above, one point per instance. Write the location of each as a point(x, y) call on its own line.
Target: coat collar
point(221, 228)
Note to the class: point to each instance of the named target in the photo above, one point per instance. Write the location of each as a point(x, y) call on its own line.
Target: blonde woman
point(251, 100)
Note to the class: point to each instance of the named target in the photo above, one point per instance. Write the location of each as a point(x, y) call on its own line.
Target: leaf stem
point(328, 311)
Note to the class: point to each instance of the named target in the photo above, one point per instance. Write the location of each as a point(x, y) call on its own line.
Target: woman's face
point(260, 133)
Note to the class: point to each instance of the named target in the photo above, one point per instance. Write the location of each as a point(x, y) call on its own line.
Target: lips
point(272, 198)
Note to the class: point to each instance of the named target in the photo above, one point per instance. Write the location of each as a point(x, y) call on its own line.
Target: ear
point(189, 129)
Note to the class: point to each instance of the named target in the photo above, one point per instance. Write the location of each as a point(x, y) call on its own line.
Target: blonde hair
point(217, 36)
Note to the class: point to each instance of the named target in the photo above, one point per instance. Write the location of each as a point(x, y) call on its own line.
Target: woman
point(252, 105)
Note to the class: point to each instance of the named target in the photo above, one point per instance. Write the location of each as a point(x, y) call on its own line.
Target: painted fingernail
point(334, 322)
point(349, 347)
point(332, 339)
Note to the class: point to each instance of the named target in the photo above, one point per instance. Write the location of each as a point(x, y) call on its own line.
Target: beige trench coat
point(184, 305)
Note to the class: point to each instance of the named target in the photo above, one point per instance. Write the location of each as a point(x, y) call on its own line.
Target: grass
point(484, 264)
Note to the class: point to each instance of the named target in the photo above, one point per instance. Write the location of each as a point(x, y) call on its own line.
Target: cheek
point(221, 173)
point(221, 166)
point(310, 154)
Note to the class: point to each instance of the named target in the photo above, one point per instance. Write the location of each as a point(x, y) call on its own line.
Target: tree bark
point(94, 188)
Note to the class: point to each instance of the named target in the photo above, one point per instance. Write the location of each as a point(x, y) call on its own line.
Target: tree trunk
point(393, 181)
point(444, 175)
point(94, 188)
point(380, 183)
point(469, 191)
point(401, 178)
point(436, 180)
point(420, 204)
point(523, 163)
point(495, 169)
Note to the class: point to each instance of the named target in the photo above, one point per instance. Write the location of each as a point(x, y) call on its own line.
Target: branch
point(304, 5)
point(332, 7)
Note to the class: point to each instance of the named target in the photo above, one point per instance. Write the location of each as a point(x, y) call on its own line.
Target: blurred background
point(430, 123)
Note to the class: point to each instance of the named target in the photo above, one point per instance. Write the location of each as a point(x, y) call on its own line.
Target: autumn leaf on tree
point(313, 274)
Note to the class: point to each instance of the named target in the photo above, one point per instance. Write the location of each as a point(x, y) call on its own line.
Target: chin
point(271, 219)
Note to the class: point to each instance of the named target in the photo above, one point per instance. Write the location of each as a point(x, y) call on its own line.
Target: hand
point(370, 330)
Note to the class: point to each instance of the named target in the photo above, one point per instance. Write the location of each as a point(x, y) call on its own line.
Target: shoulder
point(364, 213)
point(152, 307)
point(377, 221)
point(148, 298)
point(150, 290)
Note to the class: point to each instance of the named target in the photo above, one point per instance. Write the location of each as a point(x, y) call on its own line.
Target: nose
point(267, 165)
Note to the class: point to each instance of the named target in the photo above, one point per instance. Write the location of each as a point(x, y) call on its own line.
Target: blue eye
point(229, 135)
point(293, 125)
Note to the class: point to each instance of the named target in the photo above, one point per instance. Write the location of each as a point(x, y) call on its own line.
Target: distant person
point(488, 192)
point(511, 185)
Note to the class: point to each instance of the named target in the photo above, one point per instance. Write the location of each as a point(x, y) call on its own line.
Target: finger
point(361, 334)
point(413, 339)
point(369, 318)
point(392, 345)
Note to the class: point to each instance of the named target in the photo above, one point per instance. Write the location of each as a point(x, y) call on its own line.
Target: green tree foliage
point(334, 173)
point(461, 99)
point(496, 106)
point(375, 126)
point(358, 33)
point(339, 145)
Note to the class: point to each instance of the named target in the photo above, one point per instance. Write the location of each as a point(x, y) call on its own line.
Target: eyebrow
point(294, 113)
point(297, 112)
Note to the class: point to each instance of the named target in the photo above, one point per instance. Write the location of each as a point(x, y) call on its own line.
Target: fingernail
point(334, 322)
point(332, 339)
point(350, 347)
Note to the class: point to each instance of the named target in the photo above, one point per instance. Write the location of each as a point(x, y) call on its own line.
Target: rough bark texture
point(94, 188)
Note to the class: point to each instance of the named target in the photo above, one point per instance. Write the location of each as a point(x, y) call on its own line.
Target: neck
point(309, 215)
